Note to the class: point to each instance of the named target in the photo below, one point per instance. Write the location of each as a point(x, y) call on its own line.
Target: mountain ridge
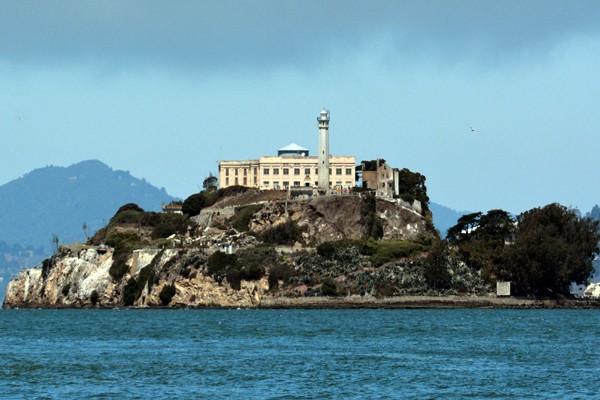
point(57, 201)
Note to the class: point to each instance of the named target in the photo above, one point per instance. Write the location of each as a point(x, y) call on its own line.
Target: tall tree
point(553, 247)
point(210, 183)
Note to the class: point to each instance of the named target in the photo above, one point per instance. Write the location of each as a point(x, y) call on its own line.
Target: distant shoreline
point(370, 302)
point(426, 302)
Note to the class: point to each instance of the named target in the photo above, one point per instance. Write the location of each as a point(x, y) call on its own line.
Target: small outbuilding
point(502, 288)
point(593, 290)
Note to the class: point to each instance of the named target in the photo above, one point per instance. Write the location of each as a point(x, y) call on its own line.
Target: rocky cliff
point(280, 248)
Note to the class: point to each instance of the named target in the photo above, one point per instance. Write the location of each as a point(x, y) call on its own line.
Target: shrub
point(284, 234)
point(130, 206)
point(384, 288)
point(218, 263)
point(436, 271)
point(166, 225)
point(389, 250)
point(127, 217)
point(94, 297)
point(252, 272)
point(129, 292)
point(243, 216)
point(280, 273)
point(332, 250)
point(124, 243)
point(234, 277)
point(166, 294)
point(329, 287)
point(47, 266)
point(66, 289)
point(374, 226)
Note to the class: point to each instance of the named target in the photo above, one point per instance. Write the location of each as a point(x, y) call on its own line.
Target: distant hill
point(58, 201)
point(444, 217)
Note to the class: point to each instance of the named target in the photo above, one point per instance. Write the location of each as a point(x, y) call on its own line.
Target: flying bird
point(472, 129)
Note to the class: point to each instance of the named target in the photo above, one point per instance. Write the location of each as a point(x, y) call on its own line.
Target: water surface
point(281, 354)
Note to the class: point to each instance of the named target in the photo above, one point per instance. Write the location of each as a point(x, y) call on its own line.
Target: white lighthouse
point(323, 168)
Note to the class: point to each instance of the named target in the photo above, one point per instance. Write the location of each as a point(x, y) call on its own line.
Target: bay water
point(299, 354)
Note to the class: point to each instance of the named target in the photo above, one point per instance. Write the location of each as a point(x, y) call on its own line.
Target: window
point(286, 171)
point(236, 172)
point(329, 171)
point(236, 181)
point(245, 181)
point(286, 184)
point(265, 183)
point(254, 179)
point(226, 171)
point(296, 171)
point(306, 171)
point(338, 171)
point(266, 171)
point(348, 171)
point(275, 171)
point(226, 181)
point(316, 183)
point(316, 171)
point(296, 183)
point(245, 172)
point(255, 170)
point(276, 184)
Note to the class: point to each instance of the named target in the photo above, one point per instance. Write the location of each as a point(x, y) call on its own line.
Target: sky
point(166, 89)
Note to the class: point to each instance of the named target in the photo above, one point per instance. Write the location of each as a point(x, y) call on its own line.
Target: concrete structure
point(381, 178)
point(593, 290)
point(174, 207)
point(293, 167)
point(323, 167)
point(502, 288)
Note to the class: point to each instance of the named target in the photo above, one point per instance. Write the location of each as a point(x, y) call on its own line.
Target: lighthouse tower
point(323, 167)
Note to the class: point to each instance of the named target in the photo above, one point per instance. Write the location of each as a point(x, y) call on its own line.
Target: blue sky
point(165, 89)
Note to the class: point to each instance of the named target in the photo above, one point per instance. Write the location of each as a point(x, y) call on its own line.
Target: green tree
point(194, 204)
point(436, 271)
point(412, 187)
point(210, 183)
point(464, 229)
point(166, 294)
point(553, 247)
point(218, 263)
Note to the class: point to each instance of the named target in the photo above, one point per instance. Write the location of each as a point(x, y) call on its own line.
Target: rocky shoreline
point(370, 302)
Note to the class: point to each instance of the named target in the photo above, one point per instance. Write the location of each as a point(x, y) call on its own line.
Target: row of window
point(285, 171)
point(296, 171)
point(236, 171)
point(286, 184)
point(237, 182)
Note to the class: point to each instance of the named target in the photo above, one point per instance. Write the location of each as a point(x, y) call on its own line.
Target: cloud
point(216, 35)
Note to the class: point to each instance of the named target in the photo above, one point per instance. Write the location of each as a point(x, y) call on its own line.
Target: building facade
point(293, 167)
point(381, 178)
point(282, 172)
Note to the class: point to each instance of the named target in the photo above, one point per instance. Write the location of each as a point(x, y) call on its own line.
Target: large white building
point(293, 167)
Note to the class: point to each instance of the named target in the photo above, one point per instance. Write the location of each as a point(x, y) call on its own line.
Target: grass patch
point(242, 217)
point(389, 250)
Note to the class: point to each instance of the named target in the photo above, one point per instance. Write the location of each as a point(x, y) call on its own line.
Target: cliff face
point(330, 218)
point(74, 276)
point(81, 276)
